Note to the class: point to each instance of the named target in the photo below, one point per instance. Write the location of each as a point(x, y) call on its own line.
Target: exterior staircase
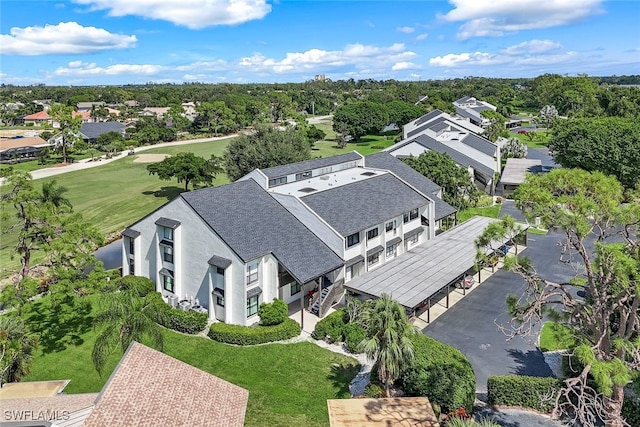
point(315, 308)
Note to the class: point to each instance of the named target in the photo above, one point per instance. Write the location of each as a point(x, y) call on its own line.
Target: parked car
point(466, 283)
point(503, 250)
point(522, 131)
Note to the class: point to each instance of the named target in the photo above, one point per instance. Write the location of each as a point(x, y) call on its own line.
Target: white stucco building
point(282, 232)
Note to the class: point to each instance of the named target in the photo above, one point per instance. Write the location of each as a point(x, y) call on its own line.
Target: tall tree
point(609, 144)
point(125, 317)
point(514, 148)
point(601, 242)
point(267, 147)
point(215, 115)
point(16, 349)
point(187, 168)
point(548, 113)
point(457, 188)
point(388, 340)
point(69, 129)
point(361, 118)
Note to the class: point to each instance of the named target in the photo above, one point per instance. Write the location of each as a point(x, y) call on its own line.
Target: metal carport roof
point(424, 270)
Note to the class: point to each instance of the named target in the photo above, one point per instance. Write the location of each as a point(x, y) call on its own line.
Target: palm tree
point(53, 194)
point(388, 339)
point(16, 349)
point(126, 317)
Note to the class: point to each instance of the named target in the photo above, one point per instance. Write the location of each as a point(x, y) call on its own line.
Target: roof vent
point(368, 173)
point(307, 190)
point(324, 177)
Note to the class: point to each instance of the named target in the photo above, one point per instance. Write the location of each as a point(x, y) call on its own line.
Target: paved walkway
point(87, 163)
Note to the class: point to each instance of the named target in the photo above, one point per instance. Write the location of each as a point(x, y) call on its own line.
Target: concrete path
point(87, 164)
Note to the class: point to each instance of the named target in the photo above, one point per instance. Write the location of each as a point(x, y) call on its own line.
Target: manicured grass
point(555, 336)
point(537, 231)
point(491, 212)
point(541, 141)
point(288, 384)
point(368, 144)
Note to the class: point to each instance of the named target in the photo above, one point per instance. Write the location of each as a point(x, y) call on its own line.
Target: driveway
point(470, 325)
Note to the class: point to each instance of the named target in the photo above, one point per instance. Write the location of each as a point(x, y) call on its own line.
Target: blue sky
point(94, 42)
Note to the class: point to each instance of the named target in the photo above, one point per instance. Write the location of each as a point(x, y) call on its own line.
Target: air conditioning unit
point(173, 301)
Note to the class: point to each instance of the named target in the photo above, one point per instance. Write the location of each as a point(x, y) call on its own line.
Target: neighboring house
point(471, 108)
point(147, 388)
point(39, 118)
point(419, 125)
point(87, 106)
point(515, 172)
point(91, 131)
point(158, 112)
point(438, 132)
point(281, 232)
point(19, 149)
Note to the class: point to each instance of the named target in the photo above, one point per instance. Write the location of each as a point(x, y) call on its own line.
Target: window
point(218, 283)
point(252, 305)
point(413, 239)
point(252, 273)
point(167, 233)
point(220, 301)
point(373, 259)
point(303, 175)
point(167, 283)
point(353, 240)
point(392, 250)
point(131, 246)
point(391, 225)
point(132, 266)
point(295, 288)
point(372, 234)
point(167, 253)
point(409, 216)
point(277, 181)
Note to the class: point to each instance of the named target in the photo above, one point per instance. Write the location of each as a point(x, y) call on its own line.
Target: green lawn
point(490, 211)
point(288, 383)
point(555, 336)
point(541, 141)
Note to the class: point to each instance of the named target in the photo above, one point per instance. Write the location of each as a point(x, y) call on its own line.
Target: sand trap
point(150, 158)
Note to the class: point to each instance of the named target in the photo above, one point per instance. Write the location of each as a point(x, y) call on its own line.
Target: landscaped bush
point(519, 390)
point(273, 313)
point(143, 285)
point(374, 391)
point(331, 327)
point(189, 322)
point(631, 412)
point(441, 373)
point(353, 334)
point(251, 335)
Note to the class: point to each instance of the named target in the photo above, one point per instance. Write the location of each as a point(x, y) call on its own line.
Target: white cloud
point(534, 52)
point(491, 18)
point(194, 14)
point(77, 68)
point(63, 38)
point(405, 65)
point(406, 30)
point(533, 47)
point(422, 36)
point(355, 55)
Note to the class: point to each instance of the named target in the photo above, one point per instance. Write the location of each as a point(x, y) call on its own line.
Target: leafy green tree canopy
point(457, 188)
point(187, 168)
point(610, 145)
point(361, 118)
point(265, 148)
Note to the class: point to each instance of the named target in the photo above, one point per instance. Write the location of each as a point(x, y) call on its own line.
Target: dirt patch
point(150, 158)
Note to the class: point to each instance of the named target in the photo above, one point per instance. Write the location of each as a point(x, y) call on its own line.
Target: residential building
point(88, 106)
point(18, 149)
point(461, 140)
point(283, 232)
point(146, 388)
point(158, 112)
point(91, 131)
point(471, 109)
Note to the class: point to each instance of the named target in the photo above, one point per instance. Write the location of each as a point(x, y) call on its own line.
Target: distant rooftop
point(308, 165)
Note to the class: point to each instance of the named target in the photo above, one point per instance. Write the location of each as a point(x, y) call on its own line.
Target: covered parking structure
point(426, 270)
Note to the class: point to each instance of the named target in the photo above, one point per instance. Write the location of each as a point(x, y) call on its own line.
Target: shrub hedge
point(273, 313)
point(331, 327)
point(524, 391)
point(441, 373)
point(251, 335)
point(143, 285)
point(353, 334)
point(189, 322)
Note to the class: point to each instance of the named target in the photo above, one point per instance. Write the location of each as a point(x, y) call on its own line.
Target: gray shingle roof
point(429, 116)
point(94, 130)
point(363, 204)
point(479, 143)
point(253, 224)
point(427, 125)
point(457, 156)
point(384, 160)
point(308, 165)
point(463, 100)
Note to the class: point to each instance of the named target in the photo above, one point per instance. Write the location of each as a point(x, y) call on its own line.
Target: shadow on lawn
point(341, 377)
point(167, 192)
point(59, 327)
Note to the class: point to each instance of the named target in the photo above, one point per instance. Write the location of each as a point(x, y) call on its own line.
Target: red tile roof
point(149, 388)
point(40, 115)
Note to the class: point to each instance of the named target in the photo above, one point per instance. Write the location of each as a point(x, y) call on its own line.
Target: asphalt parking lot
point(471, 324)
